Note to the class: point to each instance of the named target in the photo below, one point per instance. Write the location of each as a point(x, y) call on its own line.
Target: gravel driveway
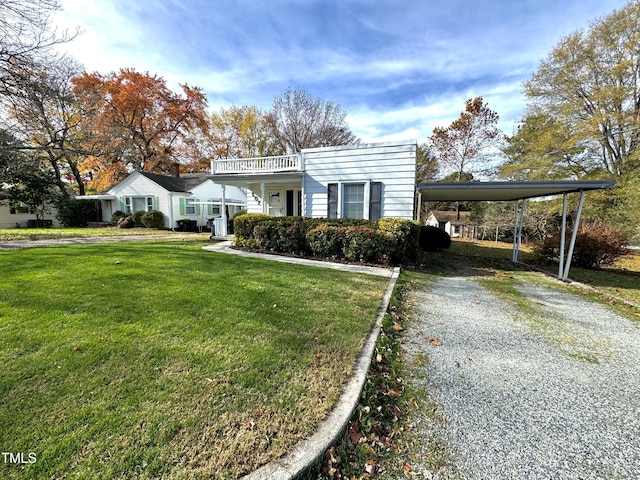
point(551, 397)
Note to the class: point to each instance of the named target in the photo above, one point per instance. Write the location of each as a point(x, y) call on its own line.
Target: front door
point(276, 201)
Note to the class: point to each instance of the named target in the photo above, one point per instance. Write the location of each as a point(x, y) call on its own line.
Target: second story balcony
point(282, 163)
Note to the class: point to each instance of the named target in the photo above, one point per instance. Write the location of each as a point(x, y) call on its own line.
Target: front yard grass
point(11, 234)
point(153, 360)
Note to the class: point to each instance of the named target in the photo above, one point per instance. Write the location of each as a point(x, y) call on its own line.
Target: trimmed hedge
point(387, 241)
point(407, 235)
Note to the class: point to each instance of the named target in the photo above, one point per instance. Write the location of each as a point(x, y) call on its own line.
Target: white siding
point(392, 163)
point(137, 185)
point(13, 220)
point(254, 202)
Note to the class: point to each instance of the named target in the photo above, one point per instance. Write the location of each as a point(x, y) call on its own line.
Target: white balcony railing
point(282, 163)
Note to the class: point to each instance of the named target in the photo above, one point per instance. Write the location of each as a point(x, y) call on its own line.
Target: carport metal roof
point(504, 191)
point(518, 191)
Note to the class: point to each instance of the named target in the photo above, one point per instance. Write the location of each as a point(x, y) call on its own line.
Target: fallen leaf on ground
point(397, 327)
point(435, 341)
point(354, 434)
point(370, 468)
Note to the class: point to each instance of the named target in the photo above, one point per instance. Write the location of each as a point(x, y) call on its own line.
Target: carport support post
point(562, 235)
point(514, 254)
point(517, 229)
point(576, 225)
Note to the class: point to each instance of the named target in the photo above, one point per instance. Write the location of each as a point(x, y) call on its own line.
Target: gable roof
point(177, 184)
point(451, 216)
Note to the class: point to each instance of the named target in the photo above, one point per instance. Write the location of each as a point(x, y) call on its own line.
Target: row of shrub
point(149, 219)
point(386, 241)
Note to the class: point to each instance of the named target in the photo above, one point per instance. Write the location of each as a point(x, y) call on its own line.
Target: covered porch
point(277, 194)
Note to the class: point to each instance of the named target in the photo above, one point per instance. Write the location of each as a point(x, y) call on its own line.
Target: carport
point(518, 192)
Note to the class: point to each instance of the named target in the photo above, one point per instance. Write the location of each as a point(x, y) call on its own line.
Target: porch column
point(223, 231)
point(265, 208)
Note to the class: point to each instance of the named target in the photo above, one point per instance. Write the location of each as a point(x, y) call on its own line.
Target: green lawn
point(156, 360)
point(57, 233)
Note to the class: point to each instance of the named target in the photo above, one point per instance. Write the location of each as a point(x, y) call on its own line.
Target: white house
point(369, 181)
point(455, 225)
point(19, 215)
point(188, 197)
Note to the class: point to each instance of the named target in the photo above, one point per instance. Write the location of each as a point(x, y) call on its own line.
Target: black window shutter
point(375, 201)
point(332, 200)
point(289, 203)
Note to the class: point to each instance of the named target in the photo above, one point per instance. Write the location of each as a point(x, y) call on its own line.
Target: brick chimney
point(175, 170)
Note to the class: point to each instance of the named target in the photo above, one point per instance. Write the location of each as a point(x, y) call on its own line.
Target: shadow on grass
point(447, 263)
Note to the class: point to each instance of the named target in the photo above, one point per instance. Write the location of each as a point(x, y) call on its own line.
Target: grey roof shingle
point(177, 184)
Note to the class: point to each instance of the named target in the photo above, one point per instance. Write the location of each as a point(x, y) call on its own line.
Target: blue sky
point(398, 68)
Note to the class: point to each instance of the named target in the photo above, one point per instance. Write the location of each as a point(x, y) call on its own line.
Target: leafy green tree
point(583, 117)
point(589, 85)
point(25, 178)
point(542, 148)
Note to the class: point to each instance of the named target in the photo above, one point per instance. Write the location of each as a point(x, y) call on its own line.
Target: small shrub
point(243, 225)
point(407, 235)
point(116, 217)
point(326, 241)
point(153, 219)
point(363, 244)
point(126, 222)
point(230, 220)
point(433, 239)
point(137, 218)
point(280, 234)
point(597, 244)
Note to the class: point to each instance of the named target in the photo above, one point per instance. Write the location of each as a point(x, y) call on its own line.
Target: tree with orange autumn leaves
point(133, 121)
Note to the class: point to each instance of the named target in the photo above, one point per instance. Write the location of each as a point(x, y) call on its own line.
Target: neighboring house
point(19, 215)
point(369, 181)
point(188, 197)
point(449, 221)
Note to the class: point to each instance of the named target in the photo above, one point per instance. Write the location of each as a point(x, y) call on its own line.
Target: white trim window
point(189, 206)
point(353, 200)
point(128, 205)
point(149, 205)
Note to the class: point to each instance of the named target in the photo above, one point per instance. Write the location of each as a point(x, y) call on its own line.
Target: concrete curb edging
point(307, 453)
point(225, 247)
